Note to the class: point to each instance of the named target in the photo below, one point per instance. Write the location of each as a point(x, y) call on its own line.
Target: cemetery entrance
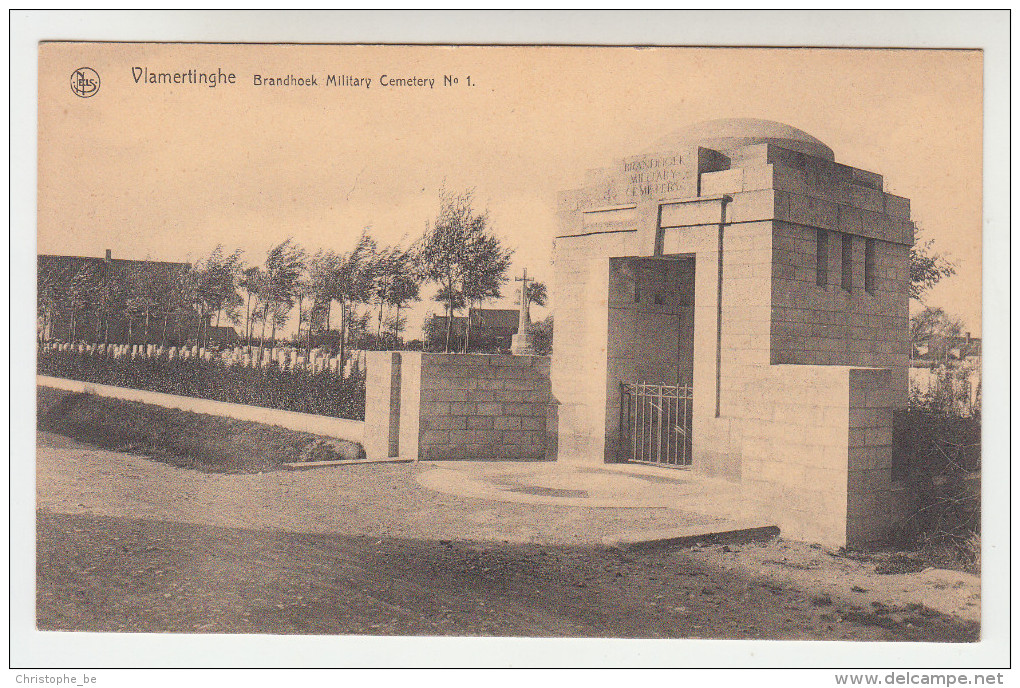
point(655, 423)
point(651, 354)
point(792, 336)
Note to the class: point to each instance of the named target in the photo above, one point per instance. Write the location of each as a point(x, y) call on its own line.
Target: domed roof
point(722, 134)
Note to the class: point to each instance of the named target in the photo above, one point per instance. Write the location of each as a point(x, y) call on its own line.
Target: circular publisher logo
point(85, 82)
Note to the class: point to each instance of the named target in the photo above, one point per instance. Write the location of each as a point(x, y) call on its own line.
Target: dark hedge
point(323, 393)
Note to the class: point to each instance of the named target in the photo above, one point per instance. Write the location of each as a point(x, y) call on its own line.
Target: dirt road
point(120, 574)
point(130, 568)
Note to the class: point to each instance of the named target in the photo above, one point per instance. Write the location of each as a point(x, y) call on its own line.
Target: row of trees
point(97, 299)
point(458, 252)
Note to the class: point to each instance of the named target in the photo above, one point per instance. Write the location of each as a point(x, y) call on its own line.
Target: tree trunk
point(166, 318)
point(449, 316)
point(467, 330)
point(308, 335)
point(262, 337)
point(343, 337)
point(299, 304)
point(146, 327)
point(247, 325)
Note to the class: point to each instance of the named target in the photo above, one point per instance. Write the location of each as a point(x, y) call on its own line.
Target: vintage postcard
point(509, 341)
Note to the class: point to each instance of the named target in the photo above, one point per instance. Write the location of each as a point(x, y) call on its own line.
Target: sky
point(167, 172)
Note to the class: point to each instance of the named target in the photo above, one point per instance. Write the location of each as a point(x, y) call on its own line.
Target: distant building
point(965, 348)
point(491, 329)
point(224, 336)
point(82, 298)
point(946, 350)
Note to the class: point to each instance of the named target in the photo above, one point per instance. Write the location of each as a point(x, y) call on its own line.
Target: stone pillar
point(382, 405)
point(579, 365)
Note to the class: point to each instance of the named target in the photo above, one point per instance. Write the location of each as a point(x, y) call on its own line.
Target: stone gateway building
point(734, 300)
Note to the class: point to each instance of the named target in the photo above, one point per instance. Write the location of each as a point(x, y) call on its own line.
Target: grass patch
point(182, 438)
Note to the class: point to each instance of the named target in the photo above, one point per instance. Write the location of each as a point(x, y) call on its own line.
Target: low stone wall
point(326, 426)
point(814, 445)
point(816, 453)
point(456, 406)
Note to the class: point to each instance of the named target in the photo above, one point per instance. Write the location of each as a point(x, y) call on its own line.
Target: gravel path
point(372, 499)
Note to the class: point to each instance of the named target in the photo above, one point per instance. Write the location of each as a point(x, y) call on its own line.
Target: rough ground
point(129, 544)
point(122, 574)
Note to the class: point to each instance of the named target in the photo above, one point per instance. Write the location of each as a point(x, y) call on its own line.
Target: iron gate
point(655, 423)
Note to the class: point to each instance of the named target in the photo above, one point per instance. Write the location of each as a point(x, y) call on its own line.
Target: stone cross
point(525, 320)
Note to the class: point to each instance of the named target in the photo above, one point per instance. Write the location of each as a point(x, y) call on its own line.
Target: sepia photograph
point(509, 341)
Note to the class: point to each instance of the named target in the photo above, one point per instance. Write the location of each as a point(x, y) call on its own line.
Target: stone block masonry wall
point(872, 497)
point(459, 406)
point(828, 324)
point(483, 406)
point(816, 453)
point(580, 340)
